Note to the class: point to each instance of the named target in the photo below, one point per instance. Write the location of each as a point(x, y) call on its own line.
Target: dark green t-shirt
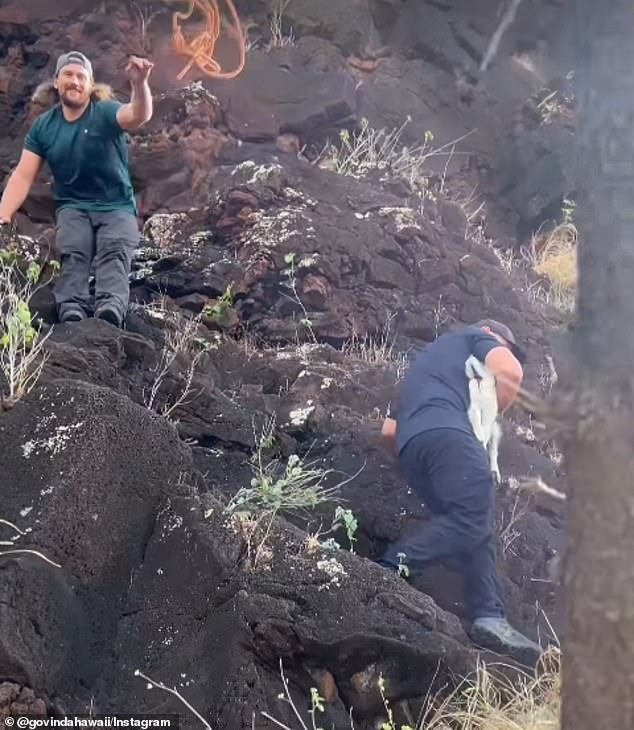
point(88, 158)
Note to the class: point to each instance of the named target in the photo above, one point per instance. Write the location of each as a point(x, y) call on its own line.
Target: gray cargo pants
point(109, 240)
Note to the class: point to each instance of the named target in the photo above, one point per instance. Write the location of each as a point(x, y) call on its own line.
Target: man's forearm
point(507, 385)
point(14, 195)
point(506, 393)
point(508, 374)
point(141, 102)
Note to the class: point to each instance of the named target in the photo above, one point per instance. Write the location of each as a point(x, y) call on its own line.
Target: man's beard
point(74, 102)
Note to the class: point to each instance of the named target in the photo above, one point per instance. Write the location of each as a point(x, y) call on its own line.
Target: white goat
point(483, 410)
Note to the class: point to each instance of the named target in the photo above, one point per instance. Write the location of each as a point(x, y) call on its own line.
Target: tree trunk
point(598, 646)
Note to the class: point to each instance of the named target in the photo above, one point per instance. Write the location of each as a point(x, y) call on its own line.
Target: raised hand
point(138, 69)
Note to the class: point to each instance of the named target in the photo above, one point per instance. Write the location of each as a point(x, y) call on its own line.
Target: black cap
point(501, 329)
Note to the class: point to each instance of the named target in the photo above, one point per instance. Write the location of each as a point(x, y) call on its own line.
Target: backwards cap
point(73, 57)
point(501, 329)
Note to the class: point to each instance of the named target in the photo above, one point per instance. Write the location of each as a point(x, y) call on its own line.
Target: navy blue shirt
point(435, 392)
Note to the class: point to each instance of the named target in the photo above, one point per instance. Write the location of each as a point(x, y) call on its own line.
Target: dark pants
point(109, 240)
point(450, 472)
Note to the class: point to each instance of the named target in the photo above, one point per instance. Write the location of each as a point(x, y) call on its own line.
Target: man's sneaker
point(72, 315)
point(499, 636)
point(108, 315)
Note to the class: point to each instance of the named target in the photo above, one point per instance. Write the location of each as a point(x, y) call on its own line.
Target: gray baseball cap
point(507, 333)
point(73, 57)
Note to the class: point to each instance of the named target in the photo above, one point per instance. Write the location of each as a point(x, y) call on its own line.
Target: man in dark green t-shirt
point(84, 141)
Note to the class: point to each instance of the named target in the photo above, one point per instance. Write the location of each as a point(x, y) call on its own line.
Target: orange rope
point(201, 49)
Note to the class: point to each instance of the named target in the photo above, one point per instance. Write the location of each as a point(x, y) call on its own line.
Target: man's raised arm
point(139, 109)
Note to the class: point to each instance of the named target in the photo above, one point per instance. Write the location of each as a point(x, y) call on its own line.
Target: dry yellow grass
point(554, 256)
point(483, 702)
point(560, 268)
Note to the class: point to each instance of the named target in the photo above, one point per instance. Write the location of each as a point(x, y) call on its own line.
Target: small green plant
point(316, 705)
point(22, 355)
point(368, 149)
point(330, 544)
point(221, 311)
point(265, 440)
point(316, 700)
point(345, 518)
point(181, 342)
point(18, 326)
point(403, 569)
point(291, 282)
point(389, 724)
point(293, 486)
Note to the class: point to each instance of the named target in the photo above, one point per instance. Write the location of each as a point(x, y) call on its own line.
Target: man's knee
point(474, 527)
point(117, 238)
point(115, 249)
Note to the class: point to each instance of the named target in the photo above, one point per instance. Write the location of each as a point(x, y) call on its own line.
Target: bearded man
point(84, 140)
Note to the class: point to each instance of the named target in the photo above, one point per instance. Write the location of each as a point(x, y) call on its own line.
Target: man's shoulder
point(105, 113)
point(459, 342)
point(466, 331)
point(106, 107)
point(459, 337)
point(479, 343)
point(471, 335)
point(44, 118)
point(43, 131)
point(106, 104)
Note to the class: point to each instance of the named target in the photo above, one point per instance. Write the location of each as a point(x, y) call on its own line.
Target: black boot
point(108, 314)
point(496, 634)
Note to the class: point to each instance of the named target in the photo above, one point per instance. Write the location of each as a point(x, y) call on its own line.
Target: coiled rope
point(200, 51)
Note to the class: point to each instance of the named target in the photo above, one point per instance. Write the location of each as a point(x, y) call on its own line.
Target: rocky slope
point(304, 290)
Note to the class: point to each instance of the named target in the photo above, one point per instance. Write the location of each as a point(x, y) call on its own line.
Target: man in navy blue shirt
point(448, 468)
